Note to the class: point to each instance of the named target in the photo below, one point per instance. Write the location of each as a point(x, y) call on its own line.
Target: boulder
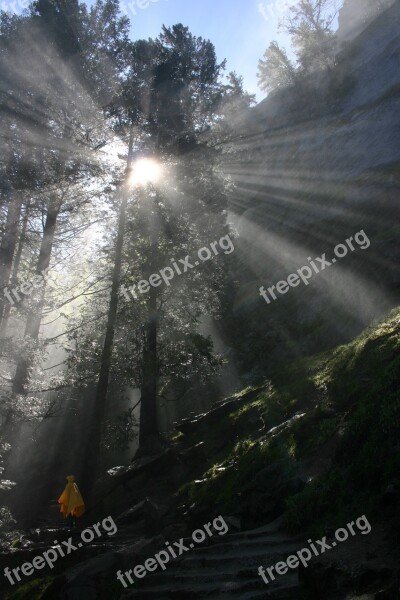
point(203, 422)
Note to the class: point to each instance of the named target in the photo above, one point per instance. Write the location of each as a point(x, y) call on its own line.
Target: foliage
point(360, 378)
point(120, 431)
point(171, 95)
point(275, 70)
point(34, 589)
point(309, 26)
point(350, 395)
point(5, 484)
point(50, 169)
point(7, 521)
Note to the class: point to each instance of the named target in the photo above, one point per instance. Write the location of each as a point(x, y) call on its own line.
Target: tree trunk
point(148, 405)
point(5, 311)
point(7, 248)
point(148, 427)
point(34, 319)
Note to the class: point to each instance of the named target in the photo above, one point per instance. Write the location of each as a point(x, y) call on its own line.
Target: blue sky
point(237, 28)
point(241, 30)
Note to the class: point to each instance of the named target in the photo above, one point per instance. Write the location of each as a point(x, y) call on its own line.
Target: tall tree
point(50, 55)
point(171, 96)
point(183, 95)
point(275, 69)
point(310, 27)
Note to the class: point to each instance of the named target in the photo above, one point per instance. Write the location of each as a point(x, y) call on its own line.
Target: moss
point(32, 590)
point(350, 392)
point(236, 416)
point(361, 380)
point(176, 437)
point(222, 483)
point(111, 588)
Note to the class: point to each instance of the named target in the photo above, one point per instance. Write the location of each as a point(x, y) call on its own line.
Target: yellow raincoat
point(71, 500)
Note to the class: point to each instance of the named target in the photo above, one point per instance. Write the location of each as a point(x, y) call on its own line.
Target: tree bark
point(8, 245)
point(5, 311)
point(34, 319)
point(148, 426)
point(148, 406)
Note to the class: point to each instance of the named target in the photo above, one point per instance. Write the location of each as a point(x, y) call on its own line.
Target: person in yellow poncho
point(72, 504)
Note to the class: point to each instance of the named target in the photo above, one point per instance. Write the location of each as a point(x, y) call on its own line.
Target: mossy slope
point(349, 396)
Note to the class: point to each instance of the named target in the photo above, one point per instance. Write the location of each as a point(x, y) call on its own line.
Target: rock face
point(318, 163)
point(355, 15)
point(341, 141)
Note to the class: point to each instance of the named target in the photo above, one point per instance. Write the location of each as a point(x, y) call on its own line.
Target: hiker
point(72, 504)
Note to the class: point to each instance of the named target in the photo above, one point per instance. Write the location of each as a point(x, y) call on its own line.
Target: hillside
point(309, 450)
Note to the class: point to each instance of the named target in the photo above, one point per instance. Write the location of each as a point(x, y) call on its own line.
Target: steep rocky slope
point(313, 165)
point(309, 450)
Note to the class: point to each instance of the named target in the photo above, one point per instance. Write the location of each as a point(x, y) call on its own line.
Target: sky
point(241, 30)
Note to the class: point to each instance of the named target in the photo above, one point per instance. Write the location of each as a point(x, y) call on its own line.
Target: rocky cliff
point(314, 164)
point(355, 15)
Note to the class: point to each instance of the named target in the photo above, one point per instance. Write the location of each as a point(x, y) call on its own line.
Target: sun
point(145, 170)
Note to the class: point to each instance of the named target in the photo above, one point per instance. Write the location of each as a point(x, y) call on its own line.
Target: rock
point(198, 513)
point(391, 495)
point(294, 485)
point(149, 512)
point(136, 553)
point(122, 486)
point(153, 446)
point(54, 589)
point(366, 575)
point(213, 445)
point(119, 475)
point(391, 593)
point(265, 495)
point(234, 523)
point(194, 455)
point(258, 508)
point(269, 477)
point(321, 578)
point(93, 566)
point(175, 531)
point(203, 422)
point(286, 425)
point(355, 16)
point(249, 422)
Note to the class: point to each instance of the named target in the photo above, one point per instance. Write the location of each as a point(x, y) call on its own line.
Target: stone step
point(238, 579)
point(219, 589)
point(228, 573)
point(260, 555)
point(221, 547)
